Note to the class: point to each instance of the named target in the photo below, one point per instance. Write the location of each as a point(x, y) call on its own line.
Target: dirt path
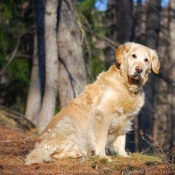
point(15, 145)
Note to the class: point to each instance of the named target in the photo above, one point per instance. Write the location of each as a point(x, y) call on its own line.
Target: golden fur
point(101, 116)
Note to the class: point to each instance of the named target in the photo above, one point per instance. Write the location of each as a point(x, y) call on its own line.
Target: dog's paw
point(123, 154)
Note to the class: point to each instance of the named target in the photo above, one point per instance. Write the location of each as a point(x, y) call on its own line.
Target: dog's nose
point(138, 69)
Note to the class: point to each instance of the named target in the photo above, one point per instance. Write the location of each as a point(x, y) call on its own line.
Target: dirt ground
point(16, 144)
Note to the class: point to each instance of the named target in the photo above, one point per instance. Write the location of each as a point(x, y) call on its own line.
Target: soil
point(16, 144)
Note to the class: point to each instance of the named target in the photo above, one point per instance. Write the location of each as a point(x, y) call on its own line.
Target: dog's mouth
point(134, 79)
point(136, 76)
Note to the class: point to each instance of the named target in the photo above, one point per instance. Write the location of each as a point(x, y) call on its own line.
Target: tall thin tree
point(125, 33)
point(124, 11)
point(37, 80)
point(171, 72)
point(146, 117)
point(33, 106)
point(72, 75)
point(49, 100)
point(111, 32)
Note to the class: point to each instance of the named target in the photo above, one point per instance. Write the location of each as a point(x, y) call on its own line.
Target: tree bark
point(49, 100)
point(72, 76)
point(125, 33)
point(37, 81)
point(40, 12)
point(124, 10)
point(34, 96)
point(139, 22)
point(119, 25)
point(171, 73)
point(147, 114)
point(111, 32)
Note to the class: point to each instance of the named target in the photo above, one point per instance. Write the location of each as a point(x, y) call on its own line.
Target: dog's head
point(137, 60)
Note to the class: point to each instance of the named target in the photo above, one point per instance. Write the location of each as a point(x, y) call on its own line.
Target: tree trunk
point(171, 73)
point(124, 10)
point(37, 82)
point(34, 96)
point(163, 105)
point(40, 12)
point(139, 23)
point(72, 76)
point(119, 25)
point(111, 32)
point(125, 33)
point(49, 100)
point(147, 114)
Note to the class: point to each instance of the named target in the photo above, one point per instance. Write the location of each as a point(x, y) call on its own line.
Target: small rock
point(1, 167)
point(37, 167)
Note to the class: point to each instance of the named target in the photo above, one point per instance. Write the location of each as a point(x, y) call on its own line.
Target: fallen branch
point(18, 117)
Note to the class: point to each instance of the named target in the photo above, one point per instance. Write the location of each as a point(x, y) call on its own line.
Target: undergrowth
point(156, 142)
point(124, 165)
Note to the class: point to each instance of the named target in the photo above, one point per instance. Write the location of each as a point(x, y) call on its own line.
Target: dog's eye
point(134, 55)
point(146, 59)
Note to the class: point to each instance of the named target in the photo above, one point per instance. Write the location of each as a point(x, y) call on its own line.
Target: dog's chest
point(126, 107)
point(129, 104)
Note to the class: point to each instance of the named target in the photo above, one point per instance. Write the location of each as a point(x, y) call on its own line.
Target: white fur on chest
point(123, 102)
point(120, 125)
point(125, 108)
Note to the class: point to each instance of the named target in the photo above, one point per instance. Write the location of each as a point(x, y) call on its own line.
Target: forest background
point(50, 49)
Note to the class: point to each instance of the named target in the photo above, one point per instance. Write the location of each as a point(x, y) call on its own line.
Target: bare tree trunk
point(40, 12)
point(138, 29)
point(171, 72)
point(34, 96)
point(111, 32)
point(49, 100)
point(37, 82)
point(124, 10)
point(163, 105)
point(139, 22)
point(119, 16)
point(147, 114)
point(72, 76)
point(125, 33)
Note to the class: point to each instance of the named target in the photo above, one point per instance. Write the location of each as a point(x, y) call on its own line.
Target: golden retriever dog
point(99, 118)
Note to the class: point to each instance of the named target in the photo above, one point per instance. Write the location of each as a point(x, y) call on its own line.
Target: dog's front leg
point(119, 145)
point(98, 130)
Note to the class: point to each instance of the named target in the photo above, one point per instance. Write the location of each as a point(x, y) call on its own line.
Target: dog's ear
point(121, 51)
point(155, 62)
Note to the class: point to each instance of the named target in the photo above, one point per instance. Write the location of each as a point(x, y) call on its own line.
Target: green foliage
point(4, 39)
point(2, 60)
point(91, 17)
point(92, 21)
point(98, 66)
point(86, 6)
point(19, 65)
point(14, 82)
point(19, 27)
point(15, 88)
point(6, 10)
